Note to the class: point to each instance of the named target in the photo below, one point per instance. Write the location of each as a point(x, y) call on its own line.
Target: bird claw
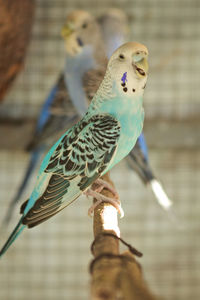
point(101, 198)
point(100, 184)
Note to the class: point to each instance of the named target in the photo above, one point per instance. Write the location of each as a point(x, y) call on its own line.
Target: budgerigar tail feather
point(143, 169)
point(160, 194)
point(31, 167)
point(16, 232)
point(143, 146)
point(140, 166)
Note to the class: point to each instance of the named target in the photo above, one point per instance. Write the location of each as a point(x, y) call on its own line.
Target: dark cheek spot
point(80, 43)
point(125, 89)
point(133, 90)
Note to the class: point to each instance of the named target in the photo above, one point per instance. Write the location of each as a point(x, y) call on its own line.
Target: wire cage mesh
point(51, 261)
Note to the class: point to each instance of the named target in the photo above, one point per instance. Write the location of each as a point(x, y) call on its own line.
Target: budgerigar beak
point(140, 60)
point(67, 30)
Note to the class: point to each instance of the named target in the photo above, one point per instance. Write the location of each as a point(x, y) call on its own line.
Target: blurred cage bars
point(50, 262)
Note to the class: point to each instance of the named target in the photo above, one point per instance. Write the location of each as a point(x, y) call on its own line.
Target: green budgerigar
point(105, 135)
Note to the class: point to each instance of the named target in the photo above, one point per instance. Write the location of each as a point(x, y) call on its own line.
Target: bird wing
point(93, 78)
point(58, 114)
point(83, 153)
point(63, 114)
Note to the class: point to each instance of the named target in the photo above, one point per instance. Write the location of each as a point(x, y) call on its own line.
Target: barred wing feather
point(79, 159)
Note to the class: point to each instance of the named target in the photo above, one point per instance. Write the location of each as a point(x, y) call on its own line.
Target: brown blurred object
point(16, 18)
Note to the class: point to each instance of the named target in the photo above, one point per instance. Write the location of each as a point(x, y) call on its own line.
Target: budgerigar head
point(128, 68)
point(81, 30)
point(115, 29)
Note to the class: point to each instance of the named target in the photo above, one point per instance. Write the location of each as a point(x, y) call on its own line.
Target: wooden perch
point(114, 275)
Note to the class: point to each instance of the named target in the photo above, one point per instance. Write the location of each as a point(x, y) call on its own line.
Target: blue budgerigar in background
point(115, 30)
point(68, 99)
point(105, 135)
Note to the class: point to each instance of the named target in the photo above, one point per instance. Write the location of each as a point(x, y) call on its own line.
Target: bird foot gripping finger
point(100, 184)
point(101, 198)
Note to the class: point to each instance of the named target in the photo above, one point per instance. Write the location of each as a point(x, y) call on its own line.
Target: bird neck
point(103, 93)
point(109, 99)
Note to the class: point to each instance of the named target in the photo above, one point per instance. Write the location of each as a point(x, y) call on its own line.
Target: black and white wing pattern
point(79, 159)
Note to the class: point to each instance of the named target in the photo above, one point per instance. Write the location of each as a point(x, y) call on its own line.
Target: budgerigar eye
point(121, 56)
point(84, 25)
